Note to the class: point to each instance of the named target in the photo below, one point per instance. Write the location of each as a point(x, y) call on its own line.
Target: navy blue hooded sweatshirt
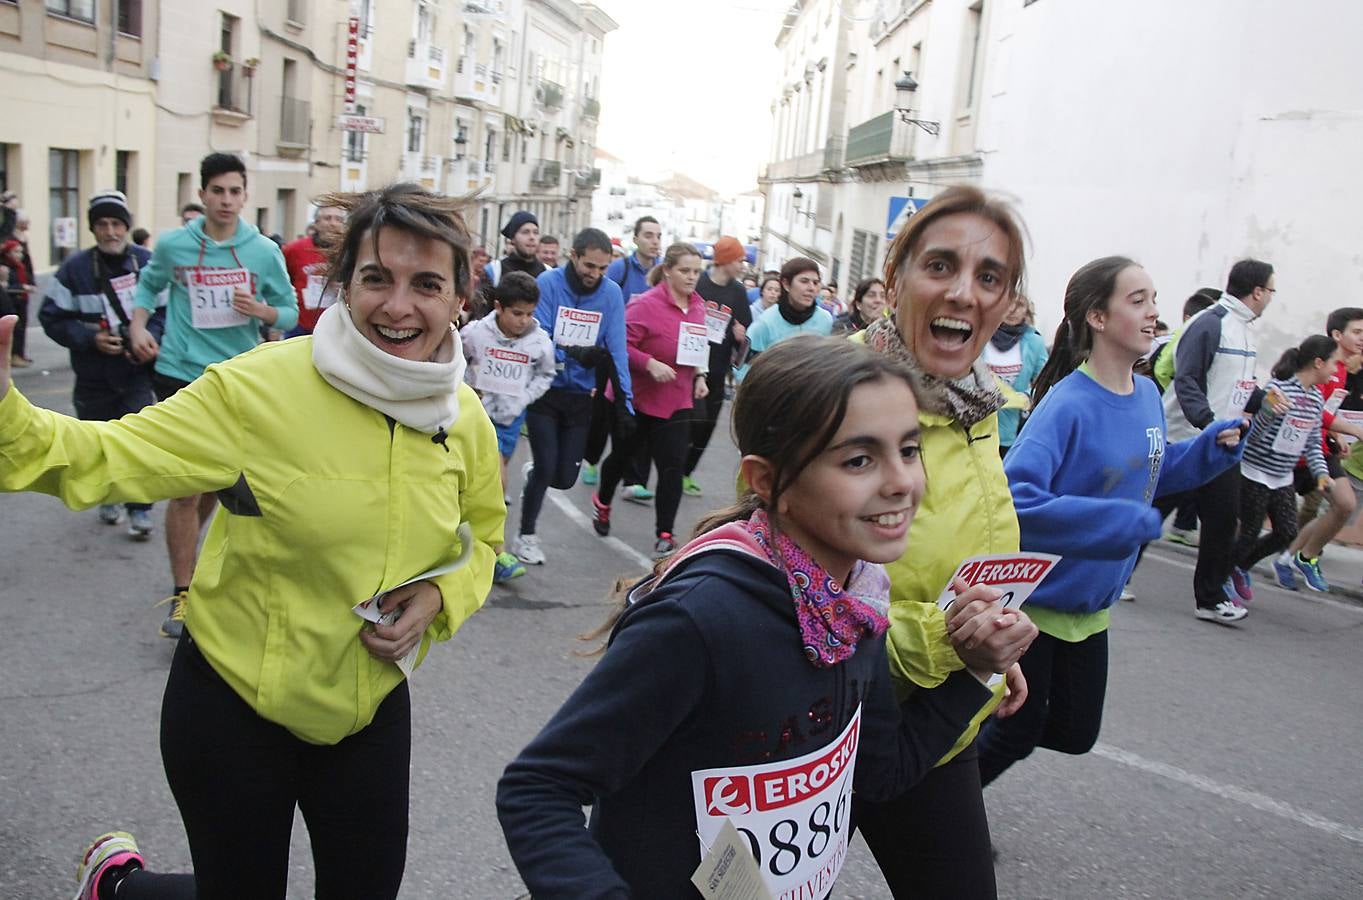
point(705, 671)
point(73, 312)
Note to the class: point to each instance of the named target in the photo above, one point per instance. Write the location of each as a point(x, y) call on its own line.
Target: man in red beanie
point(727, 317)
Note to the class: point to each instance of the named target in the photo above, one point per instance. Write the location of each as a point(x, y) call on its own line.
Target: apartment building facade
point(845, 166)
point(1140, 128)
point(493, 99)
point(81, 119)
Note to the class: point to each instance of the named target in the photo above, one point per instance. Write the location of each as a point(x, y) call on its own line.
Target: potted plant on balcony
point(249, 66)
point(222, 61)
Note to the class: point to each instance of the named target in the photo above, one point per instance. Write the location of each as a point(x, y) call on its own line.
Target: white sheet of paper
point(728, 871)
point(777, 807)
point(1016, 574)
point(693, 345)
point(369, 609)
point(210, 297)
point(576, 327)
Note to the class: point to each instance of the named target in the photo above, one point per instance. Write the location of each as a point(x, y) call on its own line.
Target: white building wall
point(1186, 135)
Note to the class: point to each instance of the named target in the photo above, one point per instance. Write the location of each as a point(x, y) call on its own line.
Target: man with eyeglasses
point(1214, 379)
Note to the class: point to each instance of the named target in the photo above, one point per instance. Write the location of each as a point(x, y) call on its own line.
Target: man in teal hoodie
point(216, 267)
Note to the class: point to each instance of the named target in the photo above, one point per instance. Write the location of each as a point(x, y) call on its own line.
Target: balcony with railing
point(421, 168)
point(426, 67)
point(588, 180)
point(591, 108)
point(231, 97)
point(883, 139)
point(477, 81)
point(295, 122)
point(547, 173)
point(549, 95)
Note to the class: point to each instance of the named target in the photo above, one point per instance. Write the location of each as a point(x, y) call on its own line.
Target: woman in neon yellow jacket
point(353, 464)
point(951, 274)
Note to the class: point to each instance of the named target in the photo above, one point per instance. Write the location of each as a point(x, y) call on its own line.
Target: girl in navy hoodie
point(1083, 472)
point(747, 680)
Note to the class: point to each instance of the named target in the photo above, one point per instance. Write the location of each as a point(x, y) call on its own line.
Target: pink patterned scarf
point(833, 618)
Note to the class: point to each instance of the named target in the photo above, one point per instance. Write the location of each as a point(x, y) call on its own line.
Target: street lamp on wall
point(904, 89)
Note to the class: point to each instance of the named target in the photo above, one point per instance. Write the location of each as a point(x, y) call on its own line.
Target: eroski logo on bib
point(726, 796)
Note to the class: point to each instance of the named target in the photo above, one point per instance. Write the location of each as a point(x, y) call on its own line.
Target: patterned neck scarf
point(969, 400)
point(833, 619)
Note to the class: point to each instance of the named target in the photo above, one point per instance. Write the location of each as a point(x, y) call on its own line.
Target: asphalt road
point(1229, 764)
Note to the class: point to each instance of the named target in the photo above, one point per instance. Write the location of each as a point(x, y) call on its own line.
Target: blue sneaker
point(636, 493)
point(1310, 570)
point(590, 474)
point(1287, 579)
point(1243, 584)
point(506, 568)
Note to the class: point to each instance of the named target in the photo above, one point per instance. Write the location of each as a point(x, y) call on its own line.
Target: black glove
point(625, 425)
point(588, 357)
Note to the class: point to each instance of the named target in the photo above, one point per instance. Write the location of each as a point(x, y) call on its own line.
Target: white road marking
point(581, 520)
point(1230, 792)
point(1264, 580)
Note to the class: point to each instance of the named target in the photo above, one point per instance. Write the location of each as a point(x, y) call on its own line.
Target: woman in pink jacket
point(669, 353)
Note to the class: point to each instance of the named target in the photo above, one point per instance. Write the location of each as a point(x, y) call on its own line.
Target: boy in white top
point(510, 364)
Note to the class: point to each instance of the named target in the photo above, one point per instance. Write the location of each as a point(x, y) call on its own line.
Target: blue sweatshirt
point(706, 671)
point(1083, 473)
point(185, 350)
point(630, 275)
point(573, 376)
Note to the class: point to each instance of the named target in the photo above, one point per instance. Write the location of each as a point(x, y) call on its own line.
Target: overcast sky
point(686, 85)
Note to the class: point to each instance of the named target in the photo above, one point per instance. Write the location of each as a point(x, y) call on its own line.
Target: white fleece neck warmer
point(420, 395)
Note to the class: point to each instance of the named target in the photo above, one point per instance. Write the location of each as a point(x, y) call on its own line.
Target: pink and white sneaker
point(108, 851)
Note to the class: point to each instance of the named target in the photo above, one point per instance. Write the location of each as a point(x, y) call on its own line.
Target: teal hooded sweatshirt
point(186, 350)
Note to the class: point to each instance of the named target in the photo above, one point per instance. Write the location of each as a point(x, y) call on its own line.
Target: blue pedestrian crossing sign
point(900, 210)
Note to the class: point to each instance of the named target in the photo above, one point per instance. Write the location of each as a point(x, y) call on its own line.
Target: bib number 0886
point(789, 842)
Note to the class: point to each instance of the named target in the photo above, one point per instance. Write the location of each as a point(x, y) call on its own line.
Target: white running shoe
point(527, 549)
point(1223, 613)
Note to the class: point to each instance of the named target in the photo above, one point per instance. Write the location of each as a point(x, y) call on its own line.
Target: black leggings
point(1066, 688)
point(932, 841)
point(558, 424)
point(237, 779)
point(1281, 506)
point(706, 414)
point(667, 441)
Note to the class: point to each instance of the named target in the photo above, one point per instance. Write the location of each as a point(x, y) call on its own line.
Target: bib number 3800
point(794, 814)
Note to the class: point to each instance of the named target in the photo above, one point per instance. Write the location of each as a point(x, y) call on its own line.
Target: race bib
point(1239, 396)
point(1353, 416)
point(1337, 397)
point(1293, 435)
point(792, 814)
point(319, 293)
point(124, 286)
point(1016, 574)
point(210, 297)
point(576, 327)
point(716, 322)
point(693, 346)
point(504, 372)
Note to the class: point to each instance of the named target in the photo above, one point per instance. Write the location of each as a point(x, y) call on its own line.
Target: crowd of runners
point(785, 669)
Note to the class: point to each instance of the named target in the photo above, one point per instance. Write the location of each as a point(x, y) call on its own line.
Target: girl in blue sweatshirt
point(747, 680)
point(1083, 472)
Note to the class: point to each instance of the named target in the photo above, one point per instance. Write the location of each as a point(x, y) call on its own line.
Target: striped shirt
point(1278, 439)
